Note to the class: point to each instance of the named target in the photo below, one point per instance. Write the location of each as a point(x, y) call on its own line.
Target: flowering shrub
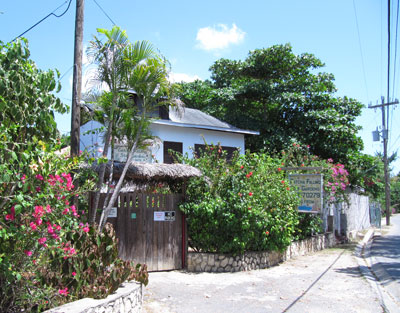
point(335, 176)
point(241, 205)
point(48, 256)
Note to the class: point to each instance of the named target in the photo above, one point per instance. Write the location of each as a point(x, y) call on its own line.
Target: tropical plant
point(124, 66)
point(245, 204)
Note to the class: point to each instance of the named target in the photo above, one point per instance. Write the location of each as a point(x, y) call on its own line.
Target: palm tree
point(122, 67)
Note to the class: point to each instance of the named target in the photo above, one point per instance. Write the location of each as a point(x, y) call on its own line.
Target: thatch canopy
point(152, 171)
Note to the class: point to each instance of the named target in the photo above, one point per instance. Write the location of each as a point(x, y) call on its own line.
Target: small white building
point(179, 132)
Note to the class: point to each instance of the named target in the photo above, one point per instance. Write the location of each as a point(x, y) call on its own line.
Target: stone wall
point(128, 298)
point(213, 262)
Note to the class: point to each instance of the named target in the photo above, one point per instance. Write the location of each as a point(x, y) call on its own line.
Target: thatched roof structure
point(152, 171)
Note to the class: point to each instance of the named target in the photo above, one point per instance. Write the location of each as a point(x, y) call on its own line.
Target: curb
point(373, 273)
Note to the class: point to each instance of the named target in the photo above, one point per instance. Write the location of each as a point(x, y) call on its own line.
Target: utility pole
point(77, 79)
point(385, 133)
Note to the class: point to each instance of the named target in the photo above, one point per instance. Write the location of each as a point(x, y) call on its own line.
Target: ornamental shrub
point(41, 210)
point(242, 205)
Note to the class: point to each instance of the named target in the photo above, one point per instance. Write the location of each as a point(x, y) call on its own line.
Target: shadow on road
point(314, 282)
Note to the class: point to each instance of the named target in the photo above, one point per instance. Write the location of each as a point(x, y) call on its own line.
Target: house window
point(171, 145)
point(230, 150)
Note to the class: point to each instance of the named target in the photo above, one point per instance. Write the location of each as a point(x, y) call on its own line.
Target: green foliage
point(335, 176)
point(281, 95)
point(395, 193)
point(309, 225)
point(244, 205)
point(367, 172)
point(96, 271)
point(39, 214)
point(26, 94)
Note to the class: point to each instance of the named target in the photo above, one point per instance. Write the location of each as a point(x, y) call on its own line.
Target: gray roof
point(193, 118)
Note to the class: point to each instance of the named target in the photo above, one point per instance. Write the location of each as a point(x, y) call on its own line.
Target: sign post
point(311, 192)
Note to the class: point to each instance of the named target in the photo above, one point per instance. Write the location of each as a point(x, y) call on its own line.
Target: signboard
point(140, 155)
point(164, 216)
point(113, 212)
point(310, 187)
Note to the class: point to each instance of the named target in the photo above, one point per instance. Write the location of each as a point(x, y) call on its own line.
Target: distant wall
point(349, 218)
point(214, 262)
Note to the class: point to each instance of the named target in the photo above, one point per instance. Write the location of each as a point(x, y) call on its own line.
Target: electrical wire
point(361, 52)
point(394, 68)
point(104, 12)
point(66, 72)
point(395, 49)
point(50, 14)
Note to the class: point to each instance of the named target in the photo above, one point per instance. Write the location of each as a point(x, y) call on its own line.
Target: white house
point(179, 132)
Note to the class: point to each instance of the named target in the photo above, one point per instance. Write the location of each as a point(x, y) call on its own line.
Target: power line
point(50, 14)
point(395, 49)
point(104, 12)
point(395, 62)
point(359, 43)
point(66, 72)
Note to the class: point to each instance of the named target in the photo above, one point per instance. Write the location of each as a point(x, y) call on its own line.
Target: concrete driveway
point(326, 281)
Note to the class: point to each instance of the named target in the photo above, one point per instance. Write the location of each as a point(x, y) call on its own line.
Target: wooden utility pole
point(385, 135)
point(77, 79)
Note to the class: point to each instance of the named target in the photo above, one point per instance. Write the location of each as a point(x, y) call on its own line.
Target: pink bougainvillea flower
point(38, 176)
point(73, 273)
point(42, 240)
point(86, 229)
point(11, 216)
point(28, 252)
point(33, 225)
point(63, 292)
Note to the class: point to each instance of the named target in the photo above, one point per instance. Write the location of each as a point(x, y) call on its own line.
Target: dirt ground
point(326, 281)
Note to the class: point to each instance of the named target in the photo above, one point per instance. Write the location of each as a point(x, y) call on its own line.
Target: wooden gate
point(151, 230)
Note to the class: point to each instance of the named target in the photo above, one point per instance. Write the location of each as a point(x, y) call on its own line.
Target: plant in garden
point(335, 176)
point(123, 66)
point(38, 217)
point(241, 205)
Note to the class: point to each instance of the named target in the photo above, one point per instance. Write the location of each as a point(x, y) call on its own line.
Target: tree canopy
point(283, 96)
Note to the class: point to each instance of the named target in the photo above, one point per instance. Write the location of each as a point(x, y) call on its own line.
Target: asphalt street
point(385, 258)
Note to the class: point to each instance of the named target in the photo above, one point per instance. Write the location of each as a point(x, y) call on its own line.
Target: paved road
point(385, 255)
point(326, 281)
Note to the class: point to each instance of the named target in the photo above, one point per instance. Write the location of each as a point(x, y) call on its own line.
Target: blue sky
point(192, 35)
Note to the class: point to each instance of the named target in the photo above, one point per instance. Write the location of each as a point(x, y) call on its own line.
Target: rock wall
point(128, 298)
point(213, 262)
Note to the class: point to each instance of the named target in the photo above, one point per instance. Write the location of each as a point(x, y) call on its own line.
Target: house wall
point(93, 141)
point(191, 136)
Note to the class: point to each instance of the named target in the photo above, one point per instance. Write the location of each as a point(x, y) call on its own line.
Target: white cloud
point(219, 37)
point(182, 77)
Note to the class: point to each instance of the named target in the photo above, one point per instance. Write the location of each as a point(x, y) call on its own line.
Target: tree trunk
point(106, 212)
point(92, 217)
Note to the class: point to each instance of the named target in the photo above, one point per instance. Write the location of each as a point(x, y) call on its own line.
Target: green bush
point(242, 205)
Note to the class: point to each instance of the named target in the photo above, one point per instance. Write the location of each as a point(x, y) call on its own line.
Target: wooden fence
point(151, 229)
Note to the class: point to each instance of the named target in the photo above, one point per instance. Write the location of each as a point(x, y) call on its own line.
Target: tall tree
point(124, 67)
point(282, 95)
